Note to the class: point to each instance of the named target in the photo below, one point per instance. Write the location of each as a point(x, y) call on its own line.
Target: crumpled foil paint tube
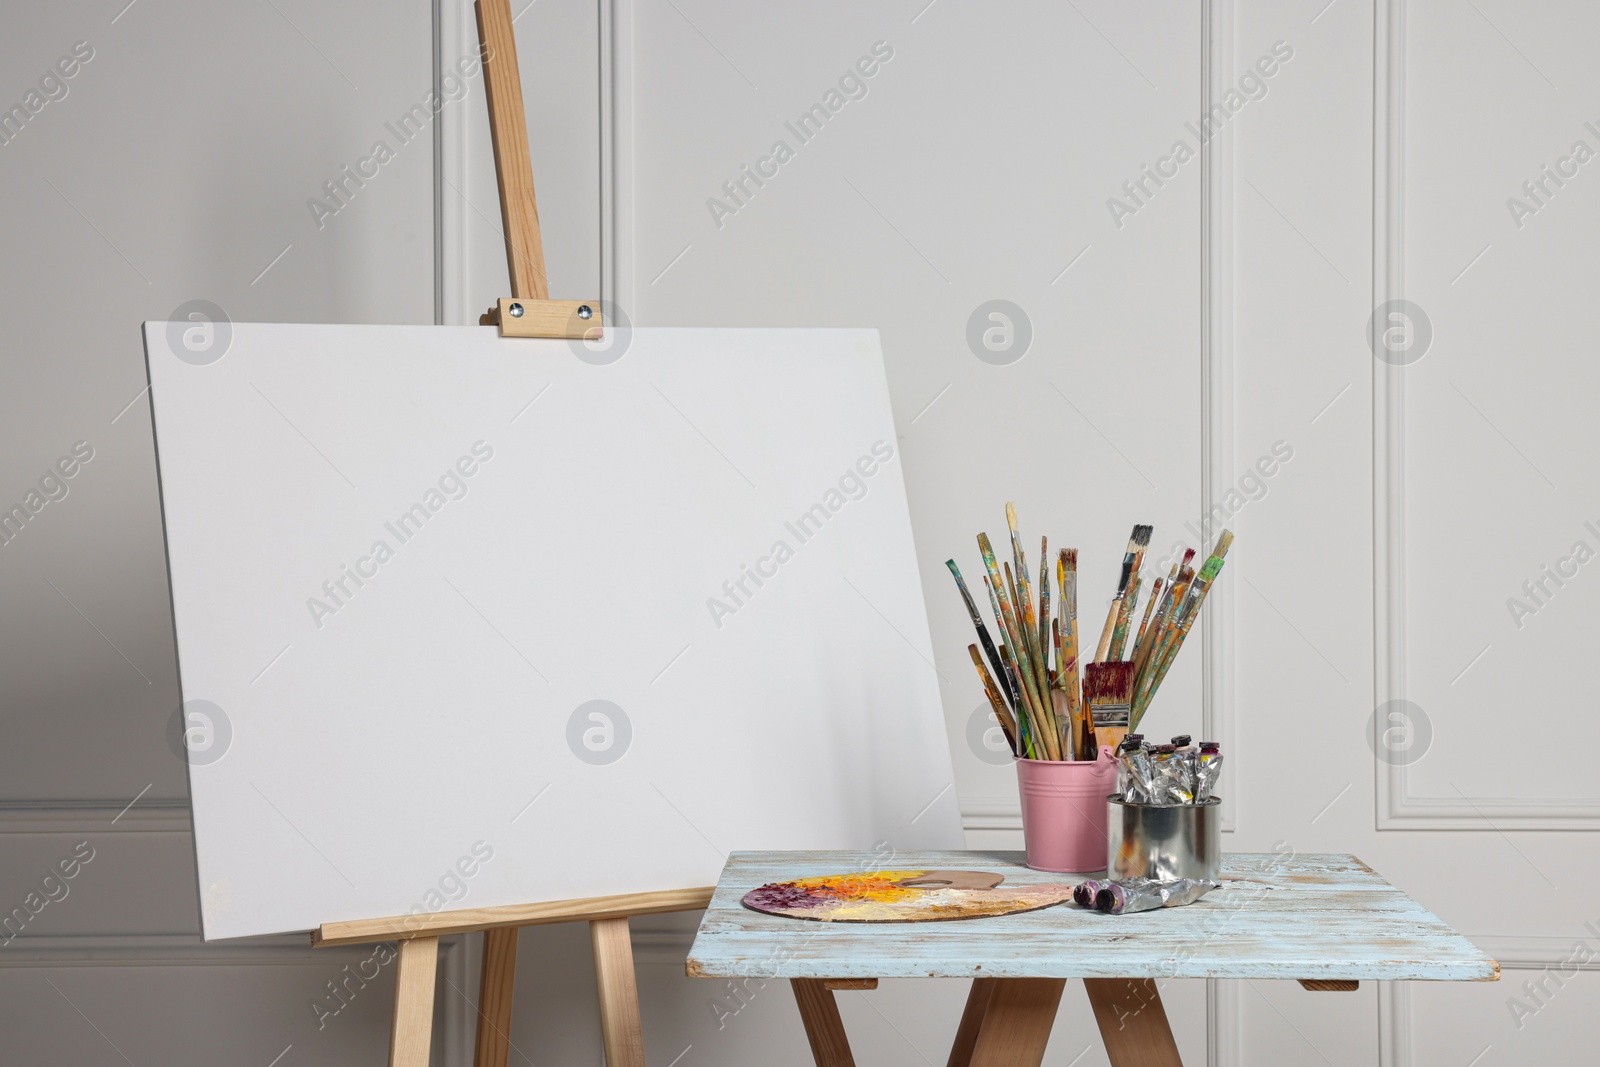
point(1142, 894)
point(1084, 893)
point(1207, 766)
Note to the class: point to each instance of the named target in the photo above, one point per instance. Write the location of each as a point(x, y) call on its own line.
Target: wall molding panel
point(1398, 808)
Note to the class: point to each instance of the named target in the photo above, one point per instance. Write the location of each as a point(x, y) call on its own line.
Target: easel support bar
point(469, 920)
point(529, 311)
point(508, 130)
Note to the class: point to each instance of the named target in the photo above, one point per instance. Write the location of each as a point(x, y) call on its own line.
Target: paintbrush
point(1119, 636)
point(983, 631)
point(1027, 702)
point(1181, 575)
point(1029, 632)
point(1149, 609)
point(1156, 670)
point(1040, 654)
point(992, 691)
point(1005, 612)
point(1023, 597)
point(1036, 700)
point(1162, 629)
point(1027, 724)
point(1137, 542)
point(1044, 604)
point(1108, 691)
point(1067, 569)
point(1027, 661)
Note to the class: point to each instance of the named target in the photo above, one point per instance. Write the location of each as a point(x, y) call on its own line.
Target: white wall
point(1168, 355)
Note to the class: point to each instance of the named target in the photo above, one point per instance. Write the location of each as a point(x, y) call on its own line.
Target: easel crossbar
point(468, 920)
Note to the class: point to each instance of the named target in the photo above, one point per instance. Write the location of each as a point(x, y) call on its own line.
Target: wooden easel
point(528, 312)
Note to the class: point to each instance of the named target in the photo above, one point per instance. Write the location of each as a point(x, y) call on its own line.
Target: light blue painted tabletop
point(1321, 917)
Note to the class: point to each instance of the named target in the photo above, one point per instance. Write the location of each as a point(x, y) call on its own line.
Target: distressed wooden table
point(1328, 921)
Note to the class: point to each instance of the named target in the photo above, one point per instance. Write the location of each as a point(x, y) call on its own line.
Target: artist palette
point(902, 897)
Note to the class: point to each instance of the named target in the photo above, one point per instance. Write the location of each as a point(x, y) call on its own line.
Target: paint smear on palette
point(901, 897)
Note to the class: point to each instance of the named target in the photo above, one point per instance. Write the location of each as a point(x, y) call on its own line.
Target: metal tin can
point(1164, 841)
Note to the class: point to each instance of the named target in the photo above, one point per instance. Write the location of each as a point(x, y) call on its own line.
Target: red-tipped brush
point(1108, 692)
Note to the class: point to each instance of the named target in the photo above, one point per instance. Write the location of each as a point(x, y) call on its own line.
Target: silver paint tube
point(1208, 765)
point(1084, 894)
point(1143, 894)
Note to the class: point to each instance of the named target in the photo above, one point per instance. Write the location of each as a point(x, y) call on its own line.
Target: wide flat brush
point(1137, 543)
point(1108, 691)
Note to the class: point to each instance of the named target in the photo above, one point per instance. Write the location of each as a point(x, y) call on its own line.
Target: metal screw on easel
point(585, 312)
point(516, 311)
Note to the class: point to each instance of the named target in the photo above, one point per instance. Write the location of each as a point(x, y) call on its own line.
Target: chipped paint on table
point(1287, 917)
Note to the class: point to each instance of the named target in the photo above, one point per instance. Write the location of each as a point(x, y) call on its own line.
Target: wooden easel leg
point(824, 1029)
point(411, 1034)
point(1016, 1024)
point(619, 992)
point(1133, 1024)
point(495, 989)
point(971, 1022)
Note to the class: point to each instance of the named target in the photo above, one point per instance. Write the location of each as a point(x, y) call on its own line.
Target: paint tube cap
point(1181, 740)
point(1210, 746)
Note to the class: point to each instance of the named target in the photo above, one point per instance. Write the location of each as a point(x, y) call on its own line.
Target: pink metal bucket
point(1064, 811)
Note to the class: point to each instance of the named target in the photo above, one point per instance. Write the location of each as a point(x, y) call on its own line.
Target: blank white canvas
point(415, 732)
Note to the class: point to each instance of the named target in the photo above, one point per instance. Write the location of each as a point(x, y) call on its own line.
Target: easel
point(528, 312)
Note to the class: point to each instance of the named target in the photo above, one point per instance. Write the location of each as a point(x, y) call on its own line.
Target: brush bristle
point(1141, 536)
point(1224, 542)
point(1108, 683)
point(1071, 556)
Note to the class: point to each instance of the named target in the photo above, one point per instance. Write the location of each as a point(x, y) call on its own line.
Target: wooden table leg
point(619, 992)
point(1016, 1022)
point(411, 1032)
point(495, 989)
point(1133, 1024)
point(971, 1022)
point(824, 1029)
